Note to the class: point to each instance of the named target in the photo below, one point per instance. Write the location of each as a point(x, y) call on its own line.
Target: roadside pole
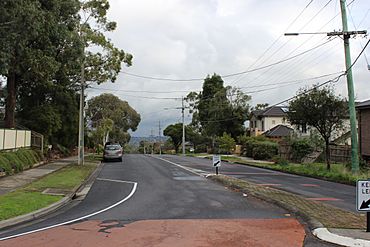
point(81, 116)
point(183, 127)
point(350, 86)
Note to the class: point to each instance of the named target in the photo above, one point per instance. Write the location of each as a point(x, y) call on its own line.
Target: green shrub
point(301, 148)
point(14, 161)
point(22, 156)
point(280, 161)
point(37, 154)
point(249, 143)
point(5, 165)
point(225, 143)
point(264, 150)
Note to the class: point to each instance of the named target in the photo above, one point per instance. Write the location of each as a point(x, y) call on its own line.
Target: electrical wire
point(327, 82)
point(356, 29)
point(230, 75)
point(276, 40)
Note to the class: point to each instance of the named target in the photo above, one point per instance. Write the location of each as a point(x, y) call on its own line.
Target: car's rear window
point(112, 147)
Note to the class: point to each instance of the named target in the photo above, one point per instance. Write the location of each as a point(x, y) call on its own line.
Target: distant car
point(112, 151)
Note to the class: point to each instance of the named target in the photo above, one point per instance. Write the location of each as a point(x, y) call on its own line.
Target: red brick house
point(363, 110)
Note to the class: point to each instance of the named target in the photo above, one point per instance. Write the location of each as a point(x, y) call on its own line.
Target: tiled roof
point(273, 111)
point(279, 131)
point(364, 104)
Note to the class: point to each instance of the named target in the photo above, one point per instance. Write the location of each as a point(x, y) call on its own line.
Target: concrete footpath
point(10, 183)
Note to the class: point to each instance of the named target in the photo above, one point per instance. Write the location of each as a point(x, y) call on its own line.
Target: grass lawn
point(22, 202)
point(30, 198)
point(338, 173)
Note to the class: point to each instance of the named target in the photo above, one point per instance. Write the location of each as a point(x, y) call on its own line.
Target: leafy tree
point(193, 135)
point(218, 109)
point(226, 143)
point(174, 131)
point(319, 108)
point(28, 52)
point(101, 133)
point(108, 106)
point(45, 57)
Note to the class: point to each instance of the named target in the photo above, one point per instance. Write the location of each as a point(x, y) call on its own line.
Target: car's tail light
point(119, 152)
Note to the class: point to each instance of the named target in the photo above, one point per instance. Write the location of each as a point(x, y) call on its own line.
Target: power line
point(138, 96)
point(189, 91)
point(276, 40)
point(234, 74)
point(336, 79)
point(301, 59)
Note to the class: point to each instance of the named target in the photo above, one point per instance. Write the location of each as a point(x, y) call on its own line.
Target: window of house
point(263, 126)
point(251, 125)
point(273, 121)
point(255, 124)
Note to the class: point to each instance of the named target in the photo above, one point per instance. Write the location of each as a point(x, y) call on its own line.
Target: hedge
point(14, 162)
point(259, 147)
point(264, 150)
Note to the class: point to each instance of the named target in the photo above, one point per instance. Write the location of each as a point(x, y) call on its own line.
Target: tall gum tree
point(29, 48)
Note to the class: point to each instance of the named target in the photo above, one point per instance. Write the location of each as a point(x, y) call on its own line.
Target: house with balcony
point(264, 120)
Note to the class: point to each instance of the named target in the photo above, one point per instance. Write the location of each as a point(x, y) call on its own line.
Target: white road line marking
point(175, 164)
point(78, 219)
point(114, 180)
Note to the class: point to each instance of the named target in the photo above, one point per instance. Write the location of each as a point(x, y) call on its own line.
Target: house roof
point(272, 111)
point(364, 104)
point(278, 131)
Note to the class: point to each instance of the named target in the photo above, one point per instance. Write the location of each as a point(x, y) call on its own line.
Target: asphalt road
point(339, 195)
point(145, 201)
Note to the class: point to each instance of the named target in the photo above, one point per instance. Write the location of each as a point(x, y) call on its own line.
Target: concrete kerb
point(53, 207)
point(316, 227)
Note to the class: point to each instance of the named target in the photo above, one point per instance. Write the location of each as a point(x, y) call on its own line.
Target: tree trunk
point(327, 154)
point(9, 119)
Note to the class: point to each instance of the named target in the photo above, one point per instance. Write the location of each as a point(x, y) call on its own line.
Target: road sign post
point(363, 199)
point(216, 162)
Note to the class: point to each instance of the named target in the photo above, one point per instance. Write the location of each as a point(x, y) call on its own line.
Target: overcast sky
point(186, 39)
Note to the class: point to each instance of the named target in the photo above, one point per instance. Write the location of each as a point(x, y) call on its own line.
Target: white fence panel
point(2, 131)
point(10, 139)
point(21, 135)
point(28, 138)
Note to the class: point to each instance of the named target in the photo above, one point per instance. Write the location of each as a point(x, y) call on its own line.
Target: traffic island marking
point(314, 211)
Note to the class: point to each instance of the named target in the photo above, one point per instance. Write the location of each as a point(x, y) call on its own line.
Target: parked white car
point(112, 151)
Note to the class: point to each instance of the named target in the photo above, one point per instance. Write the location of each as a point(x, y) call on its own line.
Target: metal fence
point(37, 140)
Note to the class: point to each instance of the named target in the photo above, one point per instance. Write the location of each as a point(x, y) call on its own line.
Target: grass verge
point(30, 197)
point(338, 173)
point(327, 215)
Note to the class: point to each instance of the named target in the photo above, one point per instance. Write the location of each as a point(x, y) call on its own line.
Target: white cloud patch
point(192, 38)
